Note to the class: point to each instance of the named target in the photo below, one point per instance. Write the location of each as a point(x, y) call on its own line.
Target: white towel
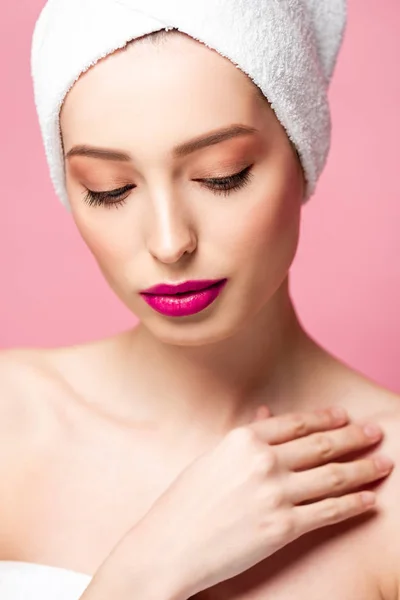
point(288, 48)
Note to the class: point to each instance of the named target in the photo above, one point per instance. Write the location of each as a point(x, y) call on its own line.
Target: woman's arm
point(104, 587)
point(136, 570)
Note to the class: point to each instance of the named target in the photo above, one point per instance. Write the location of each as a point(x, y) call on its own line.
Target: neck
point(221, 384)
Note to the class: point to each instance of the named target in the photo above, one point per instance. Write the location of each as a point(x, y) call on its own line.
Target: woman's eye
point(226, 185)
point(112, 198)
point(220, 185)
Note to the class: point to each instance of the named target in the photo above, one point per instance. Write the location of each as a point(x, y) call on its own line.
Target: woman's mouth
point(185, 299)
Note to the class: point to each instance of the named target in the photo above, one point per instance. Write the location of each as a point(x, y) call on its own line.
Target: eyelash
point(223, 185)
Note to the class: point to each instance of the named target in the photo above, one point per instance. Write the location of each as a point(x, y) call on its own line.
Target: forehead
point(178, 87)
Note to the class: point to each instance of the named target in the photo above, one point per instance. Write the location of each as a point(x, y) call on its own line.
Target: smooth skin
point(269, 473)
point(95, 434)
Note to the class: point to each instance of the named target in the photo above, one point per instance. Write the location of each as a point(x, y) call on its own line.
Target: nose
point(171, 233)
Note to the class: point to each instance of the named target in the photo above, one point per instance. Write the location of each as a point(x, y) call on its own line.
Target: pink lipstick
point(183, 299)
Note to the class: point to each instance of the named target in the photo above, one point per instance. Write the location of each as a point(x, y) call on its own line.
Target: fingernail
point(373, 431)
point(263, 411)
point(338, 412)
point(368, 498)
point(384, 463)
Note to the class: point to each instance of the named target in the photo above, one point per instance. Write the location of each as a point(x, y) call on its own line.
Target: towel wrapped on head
point(288, 48)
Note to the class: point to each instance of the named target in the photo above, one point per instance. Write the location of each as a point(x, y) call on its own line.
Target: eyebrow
point(209, 139)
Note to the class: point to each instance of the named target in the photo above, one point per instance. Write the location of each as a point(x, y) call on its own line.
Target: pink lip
point(184, 299)
point(164, 289)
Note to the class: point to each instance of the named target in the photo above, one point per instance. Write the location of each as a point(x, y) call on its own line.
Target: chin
point(178, 337)
point(197, 330)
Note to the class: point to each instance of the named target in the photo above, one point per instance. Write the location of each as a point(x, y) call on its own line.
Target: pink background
point(346, 276)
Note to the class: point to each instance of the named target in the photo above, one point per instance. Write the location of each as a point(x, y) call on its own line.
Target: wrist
point(139, 567)
point(111, 582)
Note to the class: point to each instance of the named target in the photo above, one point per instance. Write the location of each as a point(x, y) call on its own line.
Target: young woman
point(147, 465)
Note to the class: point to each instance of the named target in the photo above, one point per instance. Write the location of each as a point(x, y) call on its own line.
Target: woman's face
point(172, 222)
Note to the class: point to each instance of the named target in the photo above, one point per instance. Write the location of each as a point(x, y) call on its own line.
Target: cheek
point(111, 247)
point(107, 233)
point(265, 238)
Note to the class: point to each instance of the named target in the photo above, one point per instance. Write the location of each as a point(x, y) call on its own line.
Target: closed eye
point(218, 185)
point(228, 184)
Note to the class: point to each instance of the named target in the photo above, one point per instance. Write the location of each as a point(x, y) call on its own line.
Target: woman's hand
point(240, 502)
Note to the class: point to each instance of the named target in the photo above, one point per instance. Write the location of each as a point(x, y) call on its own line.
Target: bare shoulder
point(29, 430)
point(25, 383)
point(33, 396)
point(384, 547)
point(16, 362)
point(367, 401)
point(24, 427)
point(38, 386)
point(20, 372)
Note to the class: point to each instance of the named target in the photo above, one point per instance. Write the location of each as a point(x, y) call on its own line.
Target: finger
point(335, 478)
point(262, 412)
point(319, 448)
point(284, 428)
point(330, 511)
